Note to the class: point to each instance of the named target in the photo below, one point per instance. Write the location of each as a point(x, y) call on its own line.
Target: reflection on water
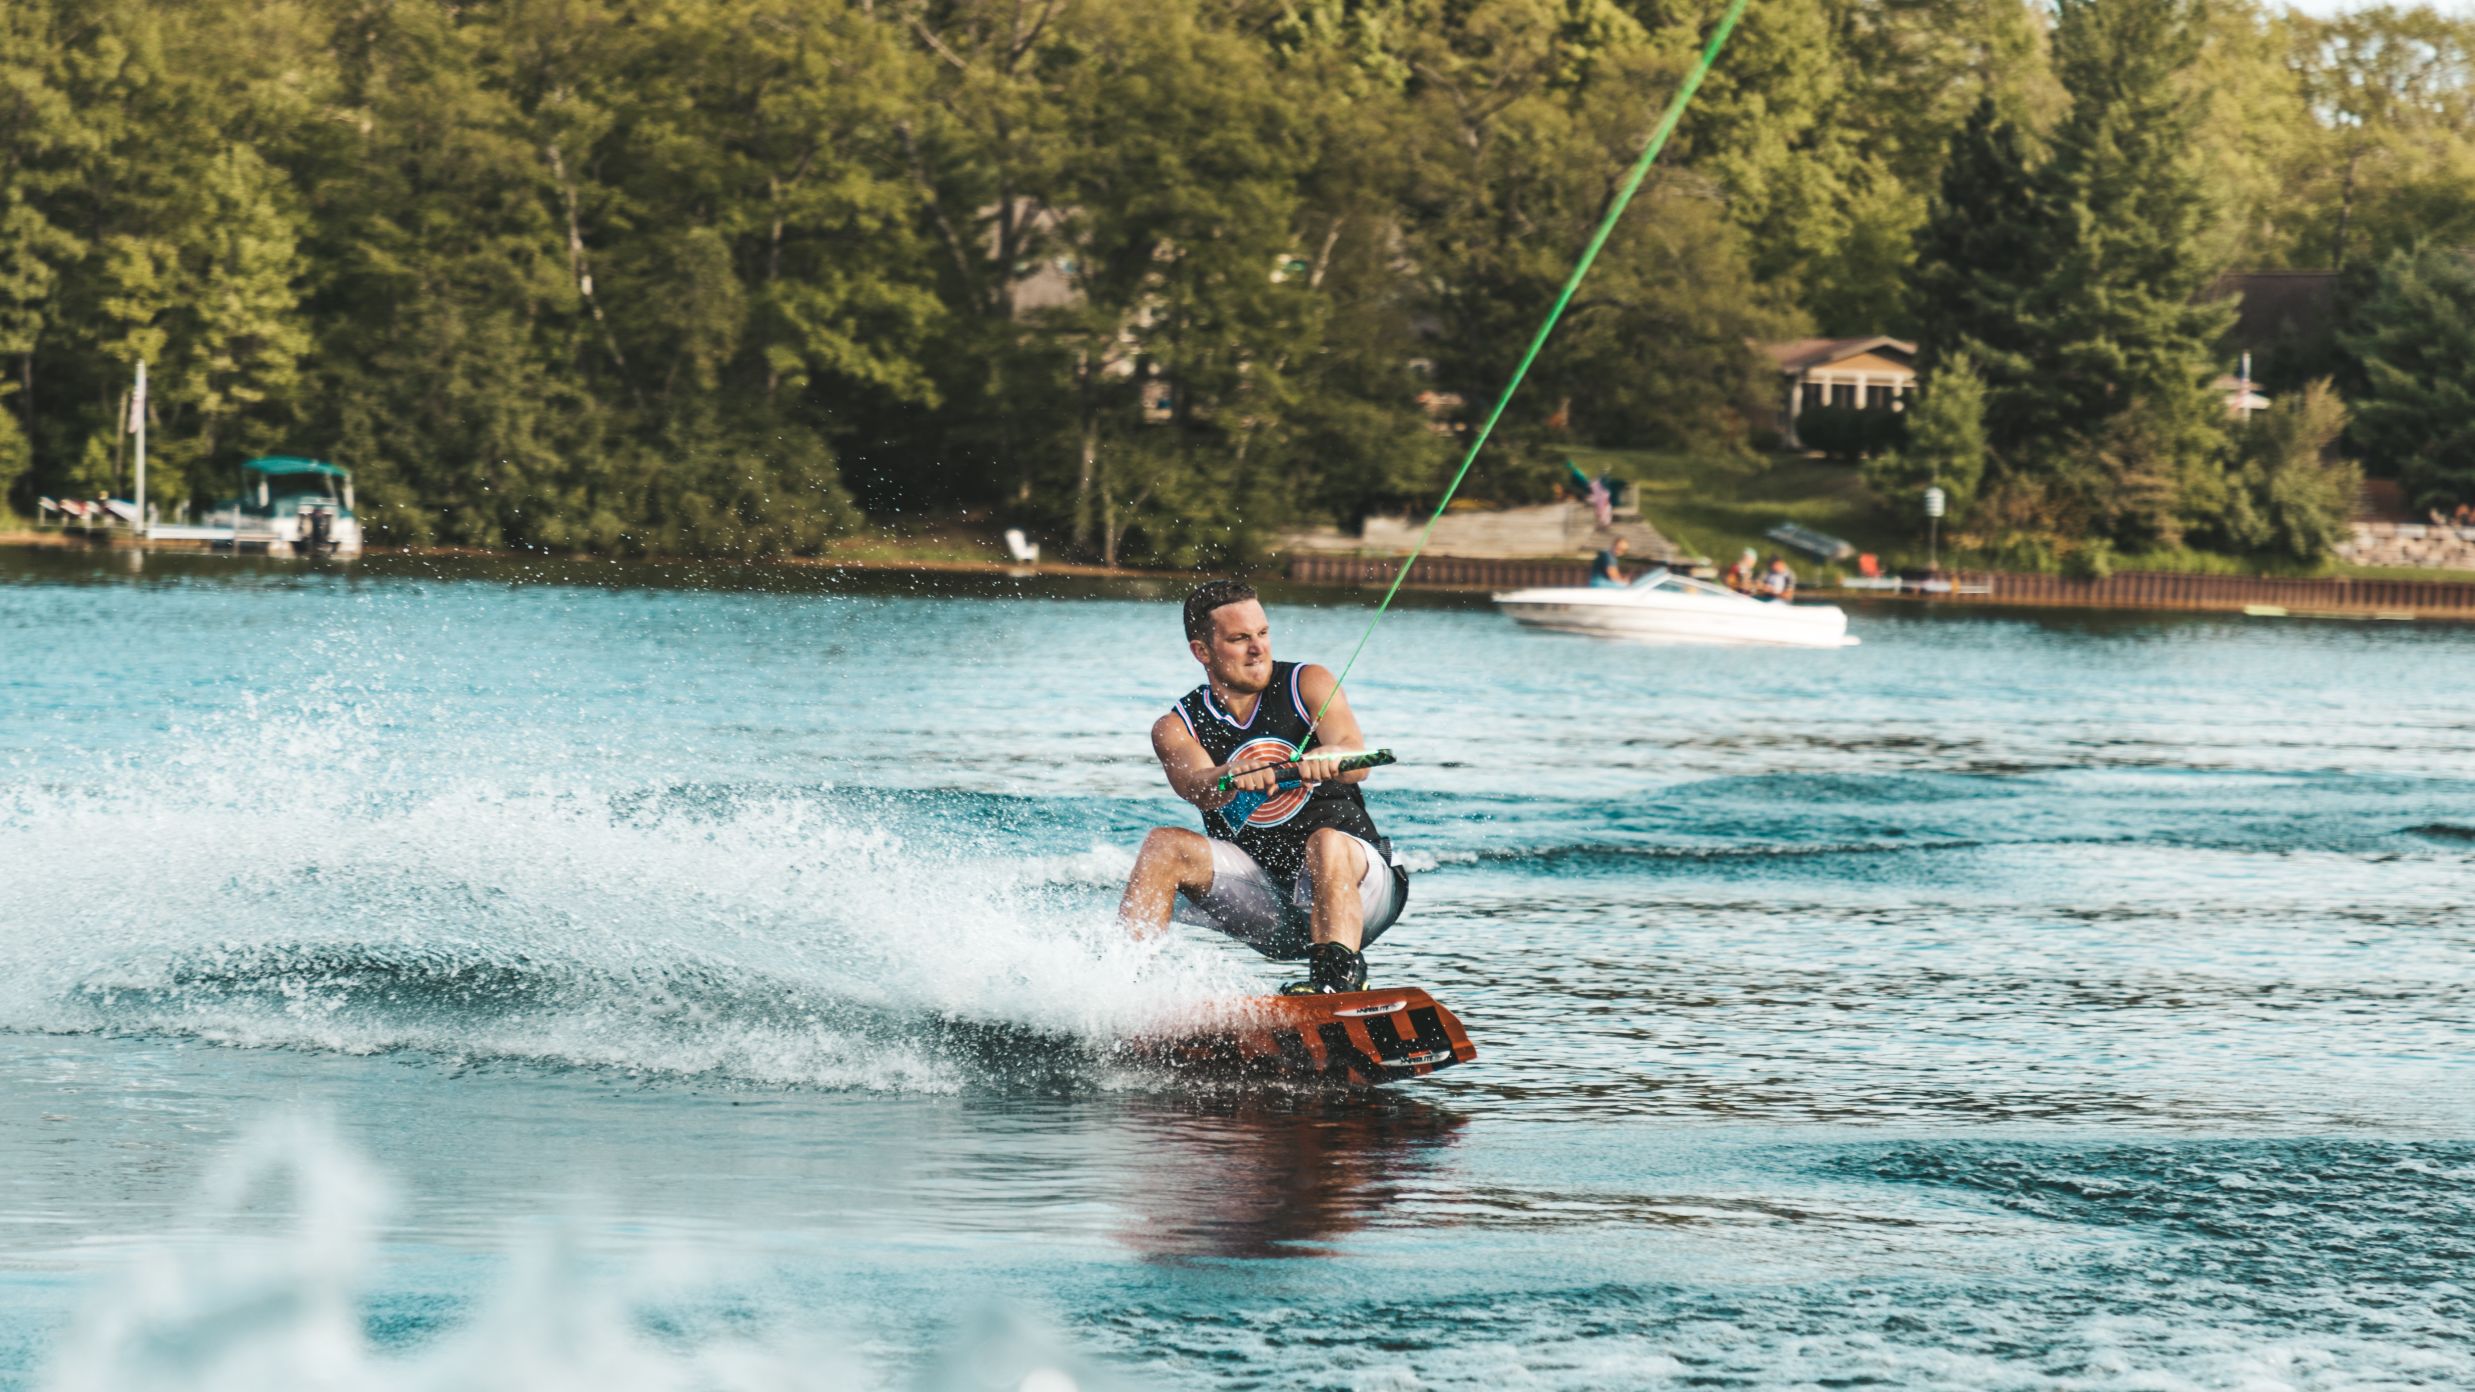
point(1275, 1173)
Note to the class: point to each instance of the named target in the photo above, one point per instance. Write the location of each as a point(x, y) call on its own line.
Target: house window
point(1843, 394)
point(1877, 398)
point(1813, 395)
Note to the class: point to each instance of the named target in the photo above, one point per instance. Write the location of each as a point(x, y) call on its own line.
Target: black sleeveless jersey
point(1274, 833)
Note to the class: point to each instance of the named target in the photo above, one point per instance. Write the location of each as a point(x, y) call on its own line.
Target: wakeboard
point(1353, 1037)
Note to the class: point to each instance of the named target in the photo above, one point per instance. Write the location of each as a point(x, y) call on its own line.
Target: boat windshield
point(301, 486)
point(1670, 582)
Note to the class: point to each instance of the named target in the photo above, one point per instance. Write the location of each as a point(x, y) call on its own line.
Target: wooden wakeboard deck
point(1359, 1037)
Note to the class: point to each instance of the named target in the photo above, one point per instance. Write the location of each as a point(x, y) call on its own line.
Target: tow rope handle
point(1286, 772)
point(1242, 804)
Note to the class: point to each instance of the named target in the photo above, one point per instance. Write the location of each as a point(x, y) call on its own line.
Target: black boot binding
point(1330, 968)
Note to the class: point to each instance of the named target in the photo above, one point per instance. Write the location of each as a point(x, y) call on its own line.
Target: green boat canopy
point(288, 464)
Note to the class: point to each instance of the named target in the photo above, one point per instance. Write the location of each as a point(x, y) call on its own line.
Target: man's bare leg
point(1172, 861)
point(1335, 862)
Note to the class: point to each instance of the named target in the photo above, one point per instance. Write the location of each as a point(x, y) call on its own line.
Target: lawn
point(1718, 506)
point(2355, 572)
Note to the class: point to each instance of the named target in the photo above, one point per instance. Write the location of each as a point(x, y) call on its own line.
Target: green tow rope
point(1589, 254)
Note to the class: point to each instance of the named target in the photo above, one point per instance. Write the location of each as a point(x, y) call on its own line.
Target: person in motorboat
point(1778, 582)
point(1302, 875)
point(1608, 568)
point(1741, 576)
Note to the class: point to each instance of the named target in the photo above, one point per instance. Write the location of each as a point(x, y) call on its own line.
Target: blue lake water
point(437, 975)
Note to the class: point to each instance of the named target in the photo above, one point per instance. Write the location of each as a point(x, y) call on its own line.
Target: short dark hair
point(1211, 595)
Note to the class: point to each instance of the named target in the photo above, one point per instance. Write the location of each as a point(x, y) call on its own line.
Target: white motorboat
point(1665, 607)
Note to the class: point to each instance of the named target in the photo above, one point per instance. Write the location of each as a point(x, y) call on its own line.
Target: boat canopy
point(290, 464)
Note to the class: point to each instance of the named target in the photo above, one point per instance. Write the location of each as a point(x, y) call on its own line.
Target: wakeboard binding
point(1330, 968)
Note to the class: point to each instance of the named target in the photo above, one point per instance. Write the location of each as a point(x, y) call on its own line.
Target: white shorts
point(1245, 903)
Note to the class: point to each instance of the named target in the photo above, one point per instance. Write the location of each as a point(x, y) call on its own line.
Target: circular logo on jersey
point(1283, 803)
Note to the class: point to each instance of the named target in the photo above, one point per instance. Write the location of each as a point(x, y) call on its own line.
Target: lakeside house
point(2279, 313)
point(1861, 374)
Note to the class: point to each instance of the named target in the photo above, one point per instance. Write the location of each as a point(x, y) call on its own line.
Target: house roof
point(292, 464)
point(2276, 305)
point(1805, 354)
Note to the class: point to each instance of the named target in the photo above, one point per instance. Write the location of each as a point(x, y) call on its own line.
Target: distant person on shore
point(1778, 582)
point(1608, 570)
point(1742, 576)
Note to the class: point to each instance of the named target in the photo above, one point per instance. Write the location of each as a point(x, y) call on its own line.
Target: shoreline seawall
point(2268, 596)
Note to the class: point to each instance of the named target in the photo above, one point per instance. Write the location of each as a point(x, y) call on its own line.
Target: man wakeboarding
point(1302, 874)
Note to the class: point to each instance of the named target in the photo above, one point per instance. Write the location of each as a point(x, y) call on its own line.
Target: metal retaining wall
point(2131, 590)
point(1436, 572)
point(2166, 590)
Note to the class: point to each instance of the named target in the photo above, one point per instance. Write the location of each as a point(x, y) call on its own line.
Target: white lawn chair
point(1025, 550)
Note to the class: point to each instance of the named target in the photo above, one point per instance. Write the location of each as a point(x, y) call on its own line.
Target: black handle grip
point(1285, 775)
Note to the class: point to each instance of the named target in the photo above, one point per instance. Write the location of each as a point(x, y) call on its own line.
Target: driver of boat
point(1778, 582)
point(1304, 874)
point(1607, 570)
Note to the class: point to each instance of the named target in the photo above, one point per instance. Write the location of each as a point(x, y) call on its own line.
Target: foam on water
point(269, 1283)
point(768, 934)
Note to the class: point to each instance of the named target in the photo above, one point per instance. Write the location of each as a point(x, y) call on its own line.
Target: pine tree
point(2417, 349)
point(1981, 261)
point(2074, 285)
point(1946, 445)
point(2128, 343)
point(244, 334)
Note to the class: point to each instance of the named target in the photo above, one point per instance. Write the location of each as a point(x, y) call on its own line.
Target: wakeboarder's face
point(1239, 656)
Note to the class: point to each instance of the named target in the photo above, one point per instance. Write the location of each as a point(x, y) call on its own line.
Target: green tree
point(1946, 445)
point(2074, 286)
point(2394, 136)
point(1981, 260)
point(1863, 119)
point(16, 455)
point(2292, 496)
point(43, 139)
point(2123, 321)
point(244, 336)
point(1522, 127)
point(2417, 349)
point(2255, 134)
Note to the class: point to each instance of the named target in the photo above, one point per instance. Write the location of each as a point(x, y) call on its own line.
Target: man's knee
point(1189, 851)
point(1332, 851)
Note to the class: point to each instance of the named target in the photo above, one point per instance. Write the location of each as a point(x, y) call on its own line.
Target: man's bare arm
point(1339, 729)
point(1192, 774)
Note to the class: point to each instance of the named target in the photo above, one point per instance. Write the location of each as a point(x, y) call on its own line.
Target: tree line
point(735, 277)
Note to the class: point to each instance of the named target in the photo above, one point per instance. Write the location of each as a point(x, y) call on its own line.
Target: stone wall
point(2418, 544)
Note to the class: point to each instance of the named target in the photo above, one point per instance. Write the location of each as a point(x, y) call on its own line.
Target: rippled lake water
point(436, 976)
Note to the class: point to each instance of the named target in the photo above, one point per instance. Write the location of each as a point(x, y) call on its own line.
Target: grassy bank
point(1717, 506)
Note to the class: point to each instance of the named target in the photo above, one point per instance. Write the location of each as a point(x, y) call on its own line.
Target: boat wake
point(777, 937)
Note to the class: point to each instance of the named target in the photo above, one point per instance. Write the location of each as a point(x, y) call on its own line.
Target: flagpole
point(137, 426)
